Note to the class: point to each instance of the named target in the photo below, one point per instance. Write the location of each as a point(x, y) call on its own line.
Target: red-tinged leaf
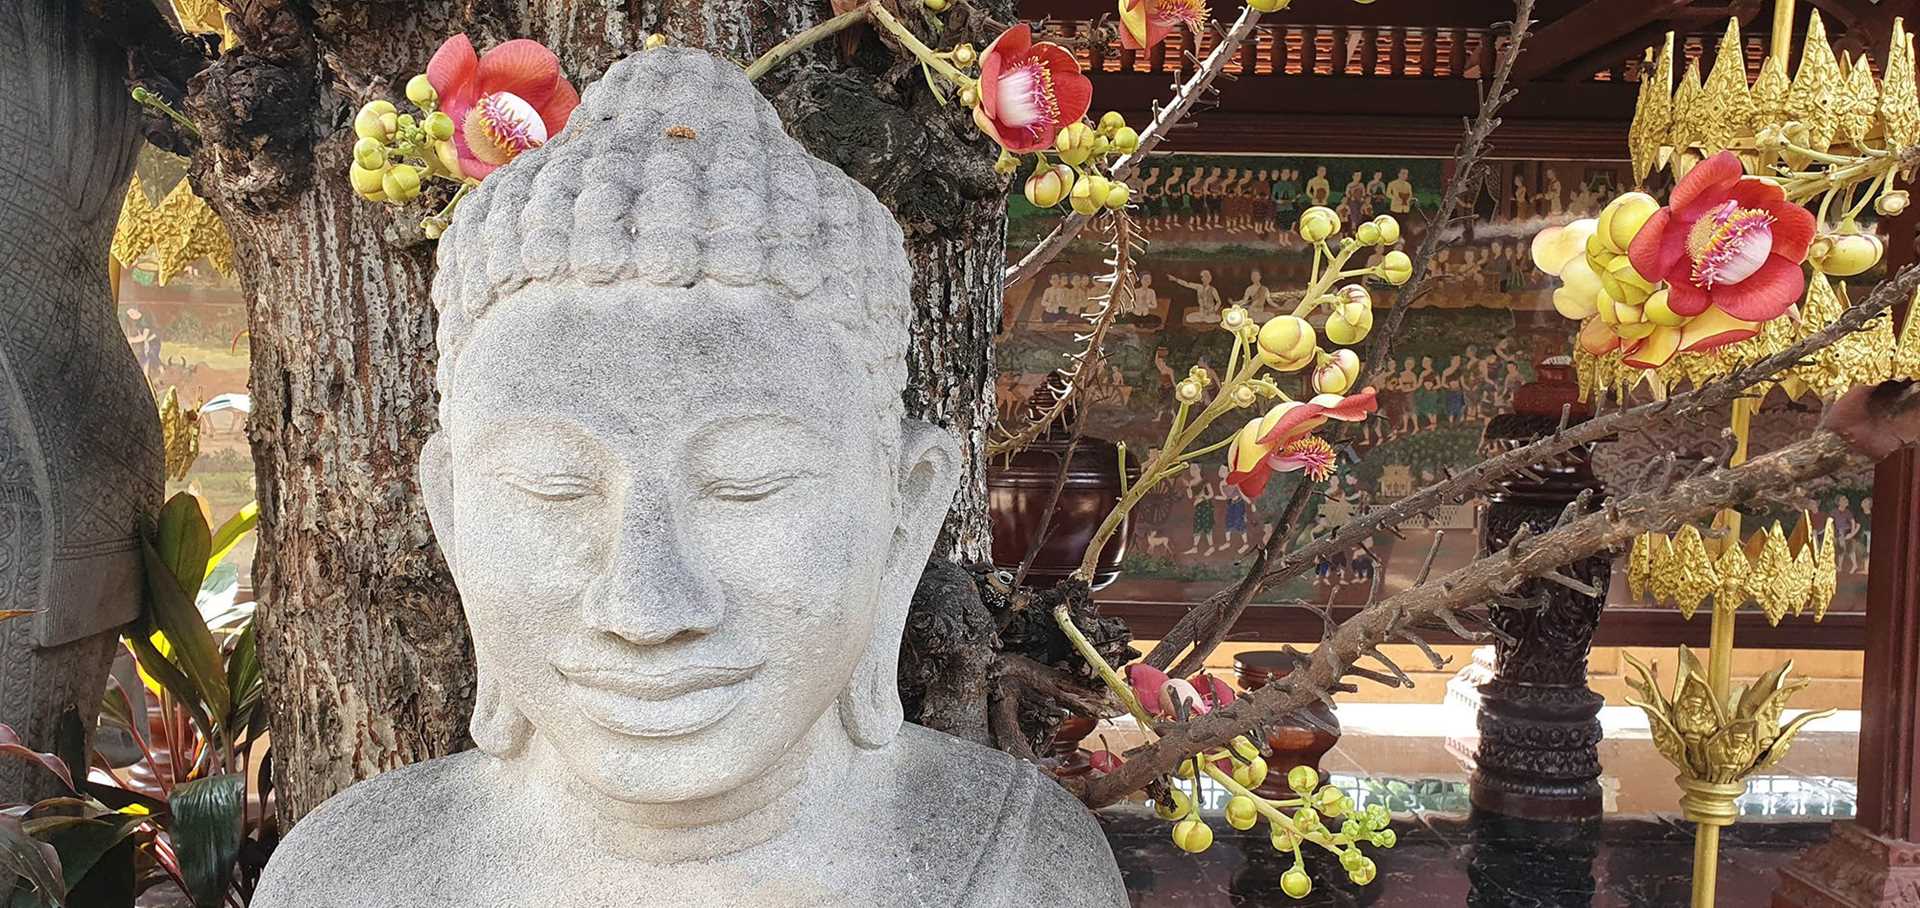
point(24, 857)
point(12, 746)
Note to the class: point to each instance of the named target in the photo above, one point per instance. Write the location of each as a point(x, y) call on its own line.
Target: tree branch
point(1821, 453)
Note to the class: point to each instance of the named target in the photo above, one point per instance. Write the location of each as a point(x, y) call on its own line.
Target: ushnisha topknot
point(675, 172)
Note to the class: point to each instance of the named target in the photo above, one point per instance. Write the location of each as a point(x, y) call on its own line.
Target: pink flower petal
point(1765, 295)
point(1657, 247)
point(453, 74)
point(559, 108)
point(1216, 691)
point(523, 67)
point(1686, 299)
point(1708, 182)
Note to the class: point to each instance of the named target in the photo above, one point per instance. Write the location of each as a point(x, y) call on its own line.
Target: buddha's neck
point(755, 813)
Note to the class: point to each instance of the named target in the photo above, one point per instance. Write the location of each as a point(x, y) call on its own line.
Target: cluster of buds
point(1083, 152)
point(1305, 818)
point(397, 152)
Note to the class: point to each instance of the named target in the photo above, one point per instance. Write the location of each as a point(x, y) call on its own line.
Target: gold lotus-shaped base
point(1783, 573)
point(1716, 742)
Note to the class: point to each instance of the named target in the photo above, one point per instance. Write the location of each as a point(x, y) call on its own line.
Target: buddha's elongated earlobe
point(929, 464)
point(498, 727)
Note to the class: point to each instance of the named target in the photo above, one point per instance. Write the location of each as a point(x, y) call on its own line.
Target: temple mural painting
point(1222, 229)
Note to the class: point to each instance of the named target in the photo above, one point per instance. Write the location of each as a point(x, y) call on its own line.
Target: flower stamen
point(1729, 244)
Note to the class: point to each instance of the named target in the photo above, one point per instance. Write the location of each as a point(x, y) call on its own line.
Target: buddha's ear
point(929, 463)
point(436, 486)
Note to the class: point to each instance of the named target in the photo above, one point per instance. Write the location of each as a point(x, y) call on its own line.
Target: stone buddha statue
point(686, 512)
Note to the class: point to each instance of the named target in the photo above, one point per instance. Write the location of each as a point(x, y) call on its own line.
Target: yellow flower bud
point(1074, 143)
point(1251, 774)
point(401, 183)
point(1318, 223)
point(1243, 748)
point(367, 181)
point(421, 93)
point(1283, 839)
point(1188, 392)
point(965, 55)
point(1622, 219)
point(1389, 229)
point(1049, 185)
point(1176, 806)
point(433, 227)
point(370, 153)
point(1295, 883)
point(1396, 268)
point(1191, 835)
point(938, 6)
point(1659, 310)
point(654, 40)
point(1269, 6)
point(1089, 193)
point(1847, 254)
point(969, 96)
point(1367, 234)
point(1125, 140)
point(1118, 195)
point(1338, 373)
point(375, 121)
point(1892, 203)
point(1242, 396)
point(439, 125)
point(1241, 812)
point(1302, 779)
point(1364, 872)
point(1006, 164)
point(1287, 343)
point(1235, 317)
point(1112, 122)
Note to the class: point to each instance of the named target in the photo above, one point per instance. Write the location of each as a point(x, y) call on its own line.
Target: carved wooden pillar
point(1875, 860)
point(1539, 725)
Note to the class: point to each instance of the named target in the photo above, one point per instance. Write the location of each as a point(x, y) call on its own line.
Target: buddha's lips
point(657, 687)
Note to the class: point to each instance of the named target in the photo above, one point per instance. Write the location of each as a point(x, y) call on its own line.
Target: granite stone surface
point(685, 511)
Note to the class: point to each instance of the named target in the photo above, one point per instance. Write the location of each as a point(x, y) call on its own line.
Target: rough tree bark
point(367, 657)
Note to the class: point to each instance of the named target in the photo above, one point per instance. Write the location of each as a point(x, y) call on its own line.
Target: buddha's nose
point(653, 591)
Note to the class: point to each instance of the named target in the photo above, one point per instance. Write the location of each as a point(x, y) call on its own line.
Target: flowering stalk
point(808, 38)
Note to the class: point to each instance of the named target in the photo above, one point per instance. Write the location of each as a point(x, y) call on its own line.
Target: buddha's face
point(675, 517)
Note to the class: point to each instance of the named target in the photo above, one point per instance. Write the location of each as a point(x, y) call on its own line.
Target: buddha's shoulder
point(1034, 843)
point(389, 834)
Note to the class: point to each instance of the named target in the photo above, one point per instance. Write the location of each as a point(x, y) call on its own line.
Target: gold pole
point(1706, 841)
point(1706, 863)
point(1783, 30)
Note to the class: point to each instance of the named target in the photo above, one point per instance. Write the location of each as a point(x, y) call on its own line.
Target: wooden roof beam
point(1565, 40)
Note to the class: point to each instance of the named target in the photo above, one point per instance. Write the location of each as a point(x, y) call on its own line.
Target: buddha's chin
point(645, 771)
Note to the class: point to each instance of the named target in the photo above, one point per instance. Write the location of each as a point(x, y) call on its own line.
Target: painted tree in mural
point(370, 665)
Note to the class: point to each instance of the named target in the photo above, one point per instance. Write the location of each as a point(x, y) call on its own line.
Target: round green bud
point(1302, 778)
point(1318, 223)
point(1363, 874)
point(965, 55)
point(1241, 812)
point(1367, 234)
point(1295, 883)
point(420, 91)
point(1243, 748)
point(1329, 801)
point(367, 181)
point(1254, 772)
point(439, 125)
point(1283, 839)
point(1351, 858)
point(1118, 195)
point(1111, 122)
point(1176, 806)
point(1191, 835)
point(1385, 838)
point(1389, 229)
point(370, 154)
point(1307, 820)
point(1377, 816)
point(401, 183)
point(1396, 268)
point(938, 6)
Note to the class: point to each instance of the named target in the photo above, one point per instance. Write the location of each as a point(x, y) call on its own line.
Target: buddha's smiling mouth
point(657, 706)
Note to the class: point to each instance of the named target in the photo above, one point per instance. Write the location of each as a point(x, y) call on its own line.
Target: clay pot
point(1019, 486)
point(1066, 745)
point(1293, 742)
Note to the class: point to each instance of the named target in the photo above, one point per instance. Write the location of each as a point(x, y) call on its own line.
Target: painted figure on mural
point(1319, 189)
point(1173, 198)
point(1551, 197)
point(1256, 296)
point(1262, 195)
point(1201, 493)
point(1206, 296)
point(1354, 199)
point(1286, 196)
point(1146, 192)
point(1400, 194)
point(1238, 506)
point(1522, 199)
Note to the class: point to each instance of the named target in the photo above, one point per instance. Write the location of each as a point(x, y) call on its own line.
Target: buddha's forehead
point(648, 361)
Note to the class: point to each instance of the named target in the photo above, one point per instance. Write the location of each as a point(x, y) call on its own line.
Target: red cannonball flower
point(1283, 440)
point(1028, 91)
point(502, 104)
point(1145, 23)
point(1727, 241)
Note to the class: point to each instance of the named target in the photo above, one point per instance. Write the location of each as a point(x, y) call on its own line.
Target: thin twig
point(1164, 121)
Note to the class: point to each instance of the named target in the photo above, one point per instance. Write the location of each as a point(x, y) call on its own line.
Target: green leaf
point(162, 670)
point(111, 882)
point(244, 681)
point(231, 532)
point(179, 621)
point(206, 834)
point(184, 541)
point(83, 843)
point(26, 858)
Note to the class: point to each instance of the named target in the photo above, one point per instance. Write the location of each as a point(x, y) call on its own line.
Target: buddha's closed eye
point(551, 486)
point(749, 488)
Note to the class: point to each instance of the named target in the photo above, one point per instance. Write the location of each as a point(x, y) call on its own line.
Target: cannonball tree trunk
point(367, 658)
